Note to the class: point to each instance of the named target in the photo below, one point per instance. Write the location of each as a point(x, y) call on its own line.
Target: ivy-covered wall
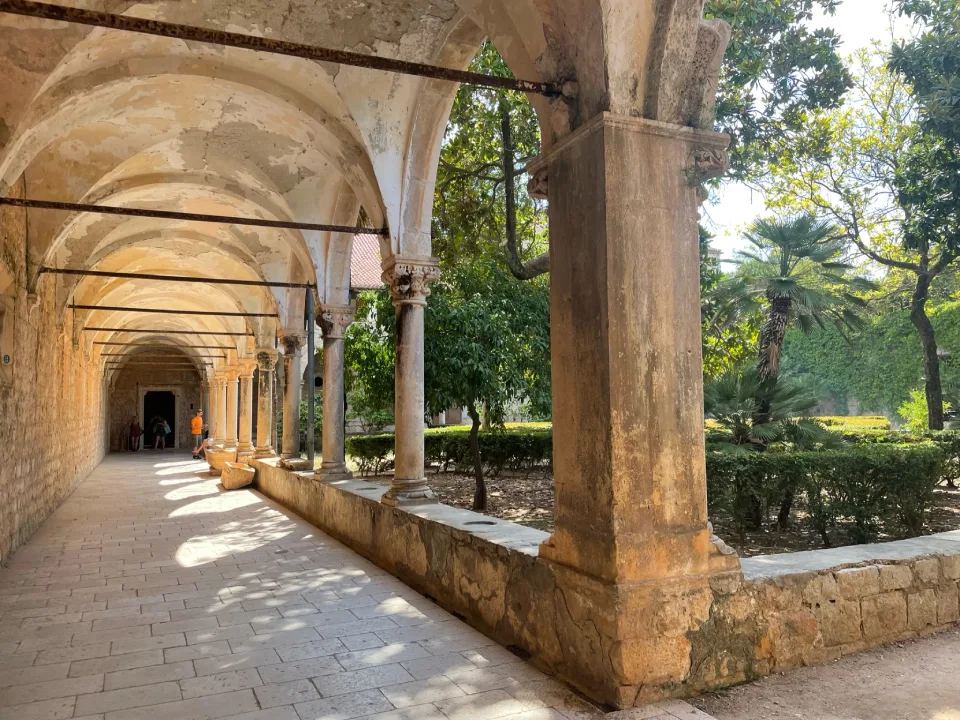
point(877, 367)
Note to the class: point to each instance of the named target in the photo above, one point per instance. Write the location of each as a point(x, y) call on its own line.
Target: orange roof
point(365, 263)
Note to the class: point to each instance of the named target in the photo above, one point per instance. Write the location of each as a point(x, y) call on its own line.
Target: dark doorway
point(159, 403)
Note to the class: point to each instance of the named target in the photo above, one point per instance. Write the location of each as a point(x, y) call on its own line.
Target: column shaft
point(221, 410)
point(409, 281)
point(266, 362)
point(293, 347)
point(335, 321)
point(232, 397)
point(245, 400)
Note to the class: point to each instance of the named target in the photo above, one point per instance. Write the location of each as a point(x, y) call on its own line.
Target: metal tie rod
point(151, 356)
point(168, 332)
point(128, 23)
point(176, 215)
point(212, 313)
point(157, 346)
point(171, 278)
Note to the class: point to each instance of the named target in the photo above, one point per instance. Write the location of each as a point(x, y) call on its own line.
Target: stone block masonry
point(51, 402)
point(779, 613)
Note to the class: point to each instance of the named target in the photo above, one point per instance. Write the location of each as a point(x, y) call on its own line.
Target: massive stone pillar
point(334, 320)
point(266, 364)
point(220, 407)
point(245, 428)
point(632, 549)
point(292, 351)
point(232, 374)
point(409, 281)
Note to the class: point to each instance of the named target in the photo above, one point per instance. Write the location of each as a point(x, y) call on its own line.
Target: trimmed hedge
point(885, 488)
point(882, 483)
point(515, 449)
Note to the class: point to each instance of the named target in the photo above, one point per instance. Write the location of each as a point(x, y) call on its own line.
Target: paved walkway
point(151, 595)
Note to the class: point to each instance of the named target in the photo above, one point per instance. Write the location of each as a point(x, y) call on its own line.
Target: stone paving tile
point(151, 595)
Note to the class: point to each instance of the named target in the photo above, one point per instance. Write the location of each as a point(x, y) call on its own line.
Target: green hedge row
point(449, 448)
point(886, 488)
point(882, 482)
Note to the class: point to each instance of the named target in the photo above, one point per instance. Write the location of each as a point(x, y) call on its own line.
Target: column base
point(296, 464)
point(333, 473)
point(409, 493)
point(244, 447)
point(264, 452)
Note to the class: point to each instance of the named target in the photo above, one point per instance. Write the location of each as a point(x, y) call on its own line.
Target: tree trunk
point(771, 338)
point(539, 265)
point(931, 361)
point(480, 494)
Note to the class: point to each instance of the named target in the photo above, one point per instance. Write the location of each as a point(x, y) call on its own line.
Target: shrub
point(856, 422)
point(516, 449)
point(881, 487)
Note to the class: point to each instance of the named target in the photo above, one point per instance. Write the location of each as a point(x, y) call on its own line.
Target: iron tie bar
point(47, 11)
point(168, 332)
point(171, 278)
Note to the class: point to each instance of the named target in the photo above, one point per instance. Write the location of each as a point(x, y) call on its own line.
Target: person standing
point(135, 432)
point(196, 429)
point(159, 435)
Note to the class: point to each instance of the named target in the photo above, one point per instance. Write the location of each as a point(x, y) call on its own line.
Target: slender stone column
point(232, 375)
point(205, 402)
point(409, 282)
point(220, 408)
point(245, 429)
point(632, 552)
point(266, 364)
point(334, 319)
point(292, 351)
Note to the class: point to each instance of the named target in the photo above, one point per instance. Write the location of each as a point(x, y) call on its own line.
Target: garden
point(829, 336)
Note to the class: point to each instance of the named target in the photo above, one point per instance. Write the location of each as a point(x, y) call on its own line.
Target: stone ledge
point(783, 612)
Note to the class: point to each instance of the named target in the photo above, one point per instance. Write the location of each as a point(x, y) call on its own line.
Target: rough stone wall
point(125, 401)
point(731, 632)
point(51, 411)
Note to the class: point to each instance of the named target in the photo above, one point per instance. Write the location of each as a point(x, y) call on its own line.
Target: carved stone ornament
point(293, 344)
point(410, 281)
point(335, 319)
point(266, 360)
point(537, 185)
point(709, 163)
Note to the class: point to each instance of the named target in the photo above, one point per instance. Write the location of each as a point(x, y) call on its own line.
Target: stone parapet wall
point(781, 613)
point(51, 399)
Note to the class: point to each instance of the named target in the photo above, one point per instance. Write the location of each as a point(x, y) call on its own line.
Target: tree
point(872, 184)
point(794, 275)
point(776, 68)
point(488, 344)
point(930, 62)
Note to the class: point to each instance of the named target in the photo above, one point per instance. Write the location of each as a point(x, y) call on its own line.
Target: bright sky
point(858, 23)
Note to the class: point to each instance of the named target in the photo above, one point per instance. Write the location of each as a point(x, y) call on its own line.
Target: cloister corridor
point(151, 593)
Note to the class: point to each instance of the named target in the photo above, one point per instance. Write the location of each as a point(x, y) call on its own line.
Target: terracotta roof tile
point(365, 263)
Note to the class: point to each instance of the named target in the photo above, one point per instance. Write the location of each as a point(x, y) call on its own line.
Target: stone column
point(409, 282)
point(334, 319)
point(292, 351)
point(266, 364)
point(232, 375)
point(245, 428)
point(205, 402)
point(632, 553)
point(220, 408)
point(208, 396)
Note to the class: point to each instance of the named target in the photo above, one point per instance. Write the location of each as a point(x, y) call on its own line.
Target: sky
point(858, 23)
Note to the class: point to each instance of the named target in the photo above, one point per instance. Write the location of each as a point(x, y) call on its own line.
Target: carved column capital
point(409, 279)
point(247, 367)
point(232, 373)
point(335, 319)
point(293, 343)
point(709, 163)
point(266, 359)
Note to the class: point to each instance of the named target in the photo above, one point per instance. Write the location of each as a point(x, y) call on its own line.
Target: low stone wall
point(782, 612)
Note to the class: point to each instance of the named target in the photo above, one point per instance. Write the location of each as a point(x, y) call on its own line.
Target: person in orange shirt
point(196, 429)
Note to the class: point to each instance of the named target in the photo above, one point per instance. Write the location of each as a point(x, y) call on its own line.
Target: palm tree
point(793, 274)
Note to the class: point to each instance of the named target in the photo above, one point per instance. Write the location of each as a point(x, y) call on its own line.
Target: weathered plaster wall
point(488, 572)
point(125, 401)
point(51, 409)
